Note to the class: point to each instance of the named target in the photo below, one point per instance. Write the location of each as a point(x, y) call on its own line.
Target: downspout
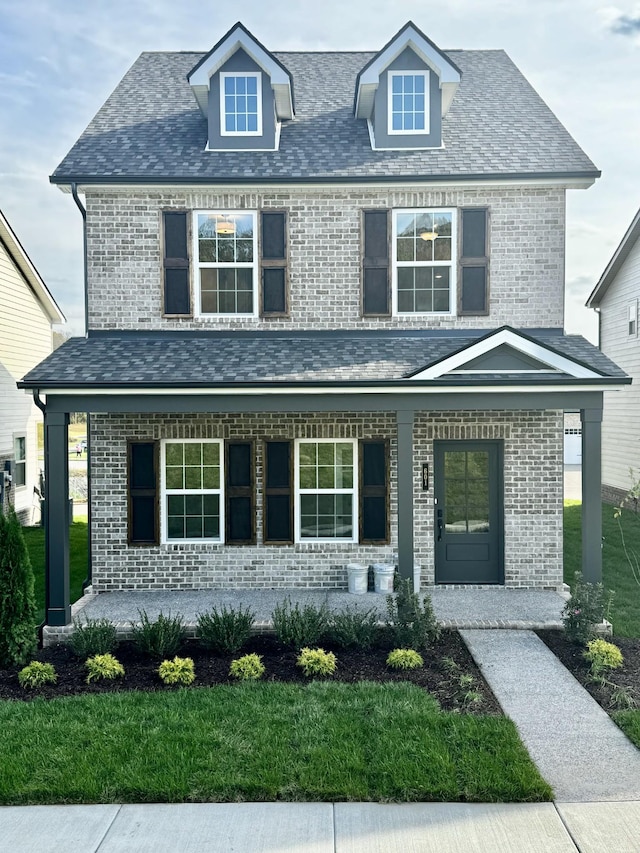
point(82, 209)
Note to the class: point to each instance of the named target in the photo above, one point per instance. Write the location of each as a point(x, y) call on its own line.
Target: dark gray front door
point(468, 512)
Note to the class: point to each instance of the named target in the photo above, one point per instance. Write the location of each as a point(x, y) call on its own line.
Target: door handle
point(439, 524)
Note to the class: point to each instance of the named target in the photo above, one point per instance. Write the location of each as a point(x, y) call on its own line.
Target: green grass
point(616, 573)
point(383, 742)
point(629, 722)
point(34, 537)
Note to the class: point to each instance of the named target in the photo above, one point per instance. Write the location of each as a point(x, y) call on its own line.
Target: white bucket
point(383, 577)
point(357, 577)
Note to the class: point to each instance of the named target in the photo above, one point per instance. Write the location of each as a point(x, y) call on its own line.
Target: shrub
point(316, 662)
point(412, 625)
point(17, 602)
point(177, 671)
point(354, 628)
point(225, 631)
point(602, 656)
point(587, 606)
point(159, 639)
point(104, 667)
point(37, 674)
point(247, 668)
point(404, 659)
point(297, 627)
point(93, 637)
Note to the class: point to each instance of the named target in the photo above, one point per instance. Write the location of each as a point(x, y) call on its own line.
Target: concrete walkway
point(578, 749)
point(322, 828)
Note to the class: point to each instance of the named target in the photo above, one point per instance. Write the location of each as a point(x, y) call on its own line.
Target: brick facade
point(532, 499)
point(526, 269)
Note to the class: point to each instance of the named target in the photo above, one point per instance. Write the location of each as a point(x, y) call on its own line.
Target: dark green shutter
point(474, 262)
point(142, 492)
point(273, 257)
point(177, 293)
point(374, 492)
point(278, 492)
point(375, 264)
point(239, 494)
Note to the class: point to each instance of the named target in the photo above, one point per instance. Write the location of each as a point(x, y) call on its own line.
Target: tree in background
point(17, 601)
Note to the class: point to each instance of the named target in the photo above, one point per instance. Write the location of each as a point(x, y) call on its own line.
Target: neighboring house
point(325, 322)
point(572, 439)
point(27, 311)
point(615, 298)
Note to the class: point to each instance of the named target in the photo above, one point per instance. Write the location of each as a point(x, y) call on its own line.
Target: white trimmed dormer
point(244, 92)
point(405, 91)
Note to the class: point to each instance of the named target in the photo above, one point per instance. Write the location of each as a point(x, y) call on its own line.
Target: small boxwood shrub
point(247, 668)
point(316, 662)
point(602, 656)
point(93, 637)
point(160, 638)
point(177, 671)
point(404, 659)
point(103, 667)
point(297, 626)
point(36, 674)
point(353, 628)
point(226, 630)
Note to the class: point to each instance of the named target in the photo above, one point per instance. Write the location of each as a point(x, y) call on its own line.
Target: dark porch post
point(591, 494)
point(404, 420)
point(56, 520)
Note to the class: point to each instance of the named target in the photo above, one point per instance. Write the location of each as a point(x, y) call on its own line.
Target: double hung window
point(240, 104)
point(192, 494)
point(326, 501)
point(227, 262)
point(20, 456)
point(422, 256)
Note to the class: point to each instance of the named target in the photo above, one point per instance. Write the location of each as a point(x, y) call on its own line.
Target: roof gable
point(613, 267)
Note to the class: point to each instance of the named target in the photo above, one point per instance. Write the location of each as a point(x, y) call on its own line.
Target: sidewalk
point(323, 828)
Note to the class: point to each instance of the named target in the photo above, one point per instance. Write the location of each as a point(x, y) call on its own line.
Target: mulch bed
point(627, 678)
point(141, 673)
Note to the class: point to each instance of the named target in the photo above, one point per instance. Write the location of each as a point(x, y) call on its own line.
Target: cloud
point(626, 25)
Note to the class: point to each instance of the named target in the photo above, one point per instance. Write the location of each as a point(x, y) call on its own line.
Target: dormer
point(244, 92)
point(405, 91)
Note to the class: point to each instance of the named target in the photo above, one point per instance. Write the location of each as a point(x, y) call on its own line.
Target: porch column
point(56, 518)
point(404, 420)
point(591, 494)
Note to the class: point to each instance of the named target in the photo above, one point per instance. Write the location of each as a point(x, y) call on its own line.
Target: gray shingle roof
point(192, 359)
point(150, 128)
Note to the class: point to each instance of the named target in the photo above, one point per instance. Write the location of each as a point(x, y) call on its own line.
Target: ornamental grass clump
point(36, 674)
point(103, 668)
point(247, 668)
point(93, 637)
point(404, 659)
point(603, 656)
point(316, 662)
point(160, 638)
point(17, 601)
point(353, 628)
point(177, 671)
point(297, 626)
point(226, 630)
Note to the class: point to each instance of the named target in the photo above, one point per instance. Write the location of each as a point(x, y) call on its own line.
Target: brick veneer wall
point(527, 226)
point(533, 501)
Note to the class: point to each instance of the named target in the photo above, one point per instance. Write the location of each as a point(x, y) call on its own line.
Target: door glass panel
point(466, 491)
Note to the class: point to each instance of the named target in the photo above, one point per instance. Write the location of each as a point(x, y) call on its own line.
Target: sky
point(60, 59)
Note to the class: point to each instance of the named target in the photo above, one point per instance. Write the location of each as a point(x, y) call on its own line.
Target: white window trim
point(632, 317)
point(16, 437)
point(298, 492)
point(427, 124)
point(223, 76)
point(254, 265)
point(164, 492)
point(452, 264)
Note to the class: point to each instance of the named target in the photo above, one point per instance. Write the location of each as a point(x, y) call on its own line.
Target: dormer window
point(240, 104)
point(408, 102)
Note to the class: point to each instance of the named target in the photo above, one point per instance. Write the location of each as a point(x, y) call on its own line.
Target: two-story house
point(27, 312)
point(325, 323)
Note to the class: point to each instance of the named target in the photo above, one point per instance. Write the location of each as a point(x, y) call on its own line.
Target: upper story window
point(408, 102)
point(632, 327)
point(227, 263)
point(424, 274)
point(240, 104)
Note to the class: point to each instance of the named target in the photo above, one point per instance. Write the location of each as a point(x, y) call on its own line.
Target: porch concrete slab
point(578, 749)
point(49, 829)
point(603, 826)
point(221, 828)
point(454, 827)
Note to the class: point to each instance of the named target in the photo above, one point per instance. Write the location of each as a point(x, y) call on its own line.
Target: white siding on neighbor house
point(621, 421)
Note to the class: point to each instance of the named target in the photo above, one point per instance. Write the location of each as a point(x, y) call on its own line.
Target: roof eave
point(613, 267)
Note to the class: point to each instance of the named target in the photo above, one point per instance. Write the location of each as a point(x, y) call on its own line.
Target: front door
point(468, 512)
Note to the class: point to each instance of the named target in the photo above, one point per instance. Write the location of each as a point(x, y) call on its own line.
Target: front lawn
point(78, 539)
point(629, 722)
point(324, 741)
